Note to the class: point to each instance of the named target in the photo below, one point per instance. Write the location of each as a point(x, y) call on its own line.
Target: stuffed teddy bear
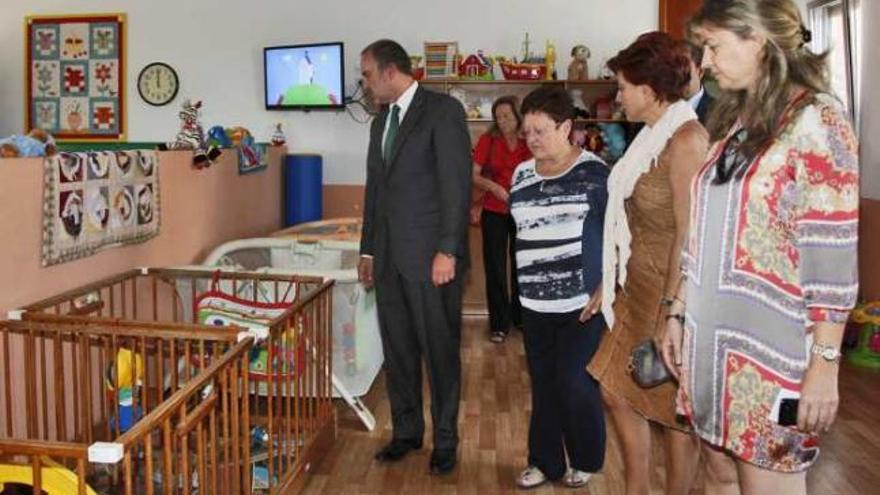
point(577, 69)
point(37, 143)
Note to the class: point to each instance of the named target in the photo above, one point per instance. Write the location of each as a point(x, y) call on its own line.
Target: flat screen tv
point(304, 77)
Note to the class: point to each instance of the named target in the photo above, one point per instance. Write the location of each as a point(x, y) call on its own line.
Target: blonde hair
point(785, 65)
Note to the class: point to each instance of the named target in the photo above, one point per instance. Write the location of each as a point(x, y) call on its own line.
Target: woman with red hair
point(645, 227)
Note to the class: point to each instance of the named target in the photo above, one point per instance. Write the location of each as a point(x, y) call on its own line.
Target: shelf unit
point(478, 90)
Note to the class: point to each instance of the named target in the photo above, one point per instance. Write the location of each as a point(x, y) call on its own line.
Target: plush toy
point(614, 136)
point(577, 69)
point(603, 107)
point(594, 141)
point(192, 137)
point(36, 143)
point(218, 138)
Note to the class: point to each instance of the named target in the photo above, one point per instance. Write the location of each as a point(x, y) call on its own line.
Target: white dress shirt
point(694, 101)
point(403, 102)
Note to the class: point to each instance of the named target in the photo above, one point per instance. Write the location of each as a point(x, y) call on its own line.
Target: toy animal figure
point(192, 137)
point(577, 69)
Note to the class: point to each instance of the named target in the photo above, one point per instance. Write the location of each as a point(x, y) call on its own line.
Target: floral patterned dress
point(768, 256)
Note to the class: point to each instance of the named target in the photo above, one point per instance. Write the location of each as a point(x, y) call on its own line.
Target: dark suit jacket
point(703, 107)
point(417, 204)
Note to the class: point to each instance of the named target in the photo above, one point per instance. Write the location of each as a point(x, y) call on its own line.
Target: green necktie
point(393, 125)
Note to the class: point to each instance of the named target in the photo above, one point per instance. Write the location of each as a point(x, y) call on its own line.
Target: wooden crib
point(115, 387)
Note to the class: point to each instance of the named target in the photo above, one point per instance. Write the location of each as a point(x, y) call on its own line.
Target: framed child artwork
point(75, 76)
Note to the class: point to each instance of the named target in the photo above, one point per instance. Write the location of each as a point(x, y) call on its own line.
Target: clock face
point(158, 84)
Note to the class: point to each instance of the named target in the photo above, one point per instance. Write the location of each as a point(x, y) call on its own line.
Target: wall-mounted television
point(304, 77)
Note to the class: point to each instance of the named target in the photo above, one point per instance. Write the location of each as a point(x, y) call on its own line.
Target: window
point(835, 27)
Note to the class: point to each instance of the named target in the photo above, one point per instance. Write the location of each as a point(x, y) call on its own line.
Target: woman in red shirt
point(496, 156)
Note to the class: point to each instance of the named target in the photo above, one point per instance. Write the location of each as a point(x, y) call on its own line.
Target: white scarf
point(641, 155)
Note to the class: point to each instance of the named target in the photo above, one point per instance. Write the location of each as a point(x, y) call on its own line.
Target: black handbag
point(646, 365)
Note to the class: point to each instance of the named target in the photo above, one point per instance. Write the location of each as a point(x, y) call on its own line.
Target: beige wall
point(200, 209)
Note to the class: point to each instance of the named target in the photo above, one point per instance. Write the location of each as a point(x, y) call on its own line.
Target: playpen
point(128, 386)
point(357, 347)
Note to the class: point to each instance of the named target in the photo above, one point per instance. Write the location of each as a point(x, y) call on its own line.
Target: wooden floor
point(493, 431)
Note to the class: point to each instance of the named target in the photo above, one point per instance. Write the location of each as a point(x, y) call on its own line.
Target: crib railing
point(199, 438)
point(61, 386)
point(277, 423)
point(37, 463)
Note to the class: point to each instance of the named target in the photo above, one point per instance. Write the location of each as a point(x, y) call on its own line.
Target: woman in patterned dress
point(770, 261)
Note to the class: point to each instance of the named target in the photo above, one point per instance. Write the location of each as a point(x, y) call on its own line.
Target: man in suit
point(699, 99)
point(414, 247)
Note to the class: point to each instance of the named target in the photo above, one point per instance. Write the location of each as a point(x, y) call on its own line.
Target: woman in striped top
point(557, 200)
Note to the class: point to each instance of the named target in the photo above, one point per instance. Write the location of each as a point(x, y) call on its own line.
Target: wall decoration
point(96, 199)
point(252, 157)
point(75, 67)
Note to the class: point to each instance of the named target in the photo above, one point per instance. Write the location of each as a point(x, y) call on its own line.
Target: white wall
point(870, 101)
point(216, 48)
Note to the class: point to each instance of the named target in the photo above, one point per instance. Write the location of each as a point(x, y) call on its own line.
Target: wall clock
point(158, 84)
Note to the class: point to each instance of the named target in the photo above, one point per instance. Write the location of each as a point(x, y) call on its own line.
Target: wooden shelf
point(590, 82)
point(576, 121)
point(591, 89)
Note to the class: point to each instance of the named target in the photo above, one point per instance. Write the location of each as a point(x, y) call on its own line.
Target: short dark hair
point(511, 101)
point(389, 52)
point(657, 61)
point(696, 52)
point(553, 101)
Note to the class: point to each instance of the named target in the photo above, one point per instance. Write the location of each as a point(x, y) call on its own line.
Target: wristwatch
point(827, 352)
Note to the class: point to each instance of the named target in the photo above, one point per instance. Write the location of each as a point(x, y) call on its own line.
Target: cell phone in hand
point(788, 412)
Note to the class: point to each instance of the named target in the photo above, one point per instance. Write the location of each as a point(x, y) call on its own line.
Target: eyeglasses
point(540, 132)
point(732, 159)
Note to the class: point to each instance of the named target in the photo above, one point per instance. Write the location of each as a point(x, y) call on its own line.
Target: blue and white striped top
point(559, 233)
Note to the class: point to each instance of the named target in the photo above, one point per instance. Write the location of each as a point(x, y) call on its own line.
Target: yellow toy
point(550, 60)
point(56, 479)
point(123, 378)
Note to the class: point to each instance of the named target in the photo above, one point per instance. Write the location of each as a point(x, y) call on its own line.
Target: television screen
point(304, 76)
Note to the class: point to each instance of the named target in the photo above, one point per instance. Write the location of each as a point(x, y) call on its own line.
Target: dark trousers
point(419, 320)
point(566, 402)
point(499, 232)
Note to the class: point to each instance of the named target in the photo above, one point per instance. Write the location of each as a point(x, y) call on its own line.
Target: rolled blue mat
point(303, 182)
